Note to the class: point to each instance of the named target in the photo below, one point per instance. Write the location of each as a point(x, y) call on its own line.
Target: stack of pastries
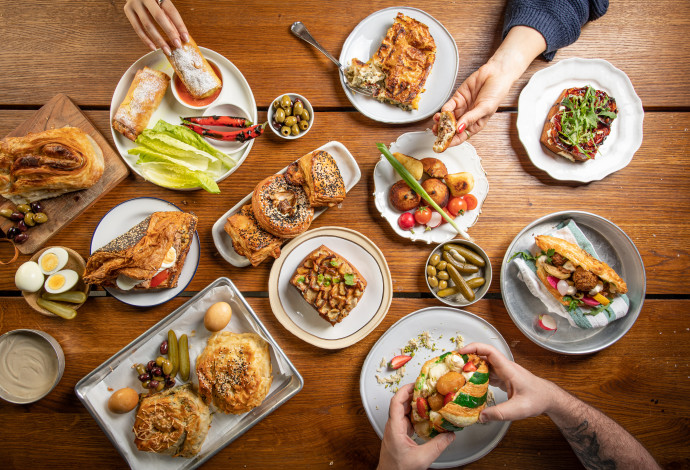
point(283, 205)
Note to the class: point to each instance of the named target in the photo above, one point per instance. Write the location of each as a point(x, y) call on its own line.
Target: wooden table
point(81, 48)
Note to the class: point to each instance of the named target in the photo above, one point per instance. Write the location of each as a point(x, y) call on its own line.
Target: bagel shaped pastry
point(234, 371)
point(281, 208)
point(590, 281)
point(449, 394)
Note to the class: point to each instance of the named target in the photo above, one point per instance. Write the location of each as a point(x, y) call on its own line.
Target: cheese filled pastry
point(142, 99)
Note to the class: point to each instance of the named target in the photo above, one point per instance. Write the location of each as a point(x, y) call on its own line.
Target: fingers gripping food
point(446, 131)
point(143, 98)
point(194, 71)
point(47, 164)
point(449, 393)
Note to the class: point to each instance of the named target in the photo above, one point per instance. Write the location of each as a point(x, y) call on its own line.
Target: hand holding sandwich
point(145, 14)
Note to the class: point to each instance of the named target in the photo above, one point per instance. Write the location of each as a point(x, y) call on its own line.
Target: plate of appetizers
point(584, 322)
point(426, 334)
point(254, 238)
point(144, 252)
point(430, 85)
point(458, 180)
point(330, 287)
point(137, 426)
point(157, 112)
point(580, 120)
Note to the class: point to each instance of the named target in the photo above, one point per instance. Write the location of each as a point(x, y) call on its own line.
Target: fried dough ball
point(437, 190)
point(402, 197)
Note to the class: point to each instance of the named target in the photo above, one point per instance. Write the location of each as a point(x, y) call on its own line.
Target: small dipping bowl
point(34, 353)
point(457, 300)
point(272, 112)
point(185, 99)
point(227, 109)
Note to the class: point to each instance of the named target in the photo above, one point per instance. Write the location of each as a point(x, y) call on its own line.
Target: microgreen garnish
point(581, 117)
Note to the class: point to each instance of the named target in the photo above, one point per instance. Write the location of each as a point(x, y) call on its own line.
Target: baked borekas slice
point(449, 394)
point(398, 70)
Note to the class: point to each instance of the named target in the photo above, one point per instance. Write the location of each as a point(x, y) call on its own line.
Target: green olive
point(442, 284)
point(441, 266)
point(280, 115)
point(159, 360)
point(167, 367)
point(6, 212)
point(140, 368)
point(434, 260)
point(285, 102)
point(295, 129)
point(285, 130)
point(430, 270)
point(23, 208)
point(288, 111)
point(298, 108)
point(40, 218)
point(29, 219)
point(160, 386)
point(290, 121)
point(433, 282)
point(304, 115)
point(276, 104)
point(304, 125)
point(443, 275)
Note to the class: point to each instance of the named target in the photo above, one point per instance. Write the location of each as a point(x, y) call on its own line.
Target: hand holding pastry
point(144, 14)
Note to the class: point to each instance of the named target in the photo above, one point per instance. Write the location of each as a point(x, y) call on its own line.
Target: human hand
point(398, 450)
point(528, 395)
point(142, 13)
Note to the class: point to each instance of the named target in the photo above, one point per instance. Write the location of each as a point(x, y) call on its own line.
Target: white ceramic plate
point(365, 40)
point(459, 158)
point(541, 92)
point(235, 91)
point(475, 441)
point(119, 220)
point(300, 318)
point(348, 169)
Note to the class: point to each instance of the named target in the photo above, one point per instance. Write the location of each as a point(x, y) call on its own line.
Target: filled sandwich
point(150, 255)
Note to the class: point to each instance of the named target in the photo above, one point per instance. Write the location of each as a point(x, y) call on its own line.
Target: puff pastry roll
point(194, 70)
point(322, 179)
point(249, 239)
point(47, 164)
point(142, 99)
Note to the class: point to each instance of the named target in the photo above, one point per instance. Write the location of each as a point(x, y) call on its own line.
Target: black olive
point(13, 232)
point(36, 207)
point(21, 238)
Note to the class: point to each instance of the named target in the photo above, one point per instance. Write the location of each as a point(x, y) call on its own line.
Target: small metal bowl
point(457, 300)
point(272, 110)
point(59, 363)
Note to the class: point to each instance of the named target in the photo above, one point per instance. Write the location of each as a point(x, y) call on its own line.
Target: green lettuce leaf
point(174, 176)
point(190, 137)
point(147, 155)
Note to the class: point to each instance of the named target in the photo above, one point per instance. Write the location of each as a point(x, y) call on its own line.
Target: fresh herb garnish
point(572, 302)
point(300, 279)
point(336, 280)
point(527, 256)
point(335, 263)
point(319, 278)
point(580, 119)
point(349, 279)
point(596, 310)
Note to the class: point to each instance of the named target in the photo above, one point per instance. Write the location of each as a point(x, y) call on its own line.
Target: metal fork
point(299, 30)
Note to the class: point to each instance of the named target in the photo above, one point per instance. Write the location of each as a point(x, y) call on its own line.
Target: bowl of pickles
point(458, 273)
point(290, 116)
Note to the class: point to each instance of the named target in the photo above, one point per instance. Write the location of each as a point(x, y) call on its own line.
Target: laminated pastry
point(234, 371)
point(150, 255)
point(398, 70)
point(446, 131)
point(281, 208)
point(46, 164)
point(590, 282)
point(173, 422)
point(249, 239)
point(578, 123)
point(322, 179)
point(143, 98)
point(449, 394)
point(194, 71)
point(329, 283)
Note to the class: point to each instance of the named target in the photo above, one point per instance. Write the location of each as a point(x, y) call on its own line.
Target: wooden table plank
point(46, 55)
point(330, 407)
point(649, 199)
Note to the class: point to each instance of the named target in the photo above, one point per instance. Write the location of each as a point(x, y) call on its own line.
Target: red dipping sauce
point(185, 96)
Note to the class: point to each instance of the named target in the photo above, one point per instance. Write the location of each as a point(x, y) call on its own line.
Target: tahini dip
point(28, 366)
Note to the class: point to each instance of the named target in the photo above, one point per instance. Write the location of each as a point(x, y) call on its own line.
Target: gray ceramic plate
point(614, 248)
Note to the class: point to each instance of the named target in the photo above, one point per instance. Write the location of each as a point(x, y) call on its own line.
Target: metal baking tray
point(115, 373)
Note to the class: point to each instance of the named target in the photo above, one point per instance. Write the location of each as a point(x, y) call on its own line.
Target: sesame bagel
point(281, 208)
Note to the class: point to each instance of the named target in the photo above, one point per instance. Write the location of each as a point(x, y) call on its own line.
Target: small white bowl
point(190, 106)
point(227, 109)
point(293, 96)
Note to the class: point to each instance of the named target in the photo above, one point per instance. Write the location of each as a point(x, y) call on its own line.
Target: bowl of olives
point(458, 273)
point(290, 116)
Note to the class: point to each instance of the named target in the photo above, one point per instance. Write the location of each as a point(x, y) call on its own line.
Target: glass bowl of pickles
point(458, 272)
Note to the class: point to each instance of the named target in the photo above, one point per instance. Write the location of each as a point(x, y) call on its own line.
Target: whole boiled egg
point(52, 260)
point(61, 281)
point(29, 277)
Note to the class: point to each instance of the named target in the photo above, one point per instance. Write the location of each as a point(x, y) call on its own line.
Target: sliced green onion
point(414, 184)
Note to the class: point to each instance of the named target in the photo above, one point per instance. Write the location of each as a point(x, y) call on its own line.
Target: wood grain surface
point(82, 47)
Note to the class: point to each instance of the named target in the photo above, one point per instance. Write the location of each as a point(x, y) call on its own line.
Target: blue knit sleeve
point(559, 21)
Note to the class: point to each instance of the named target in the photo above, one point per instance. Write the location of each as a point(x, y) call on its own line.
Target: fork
point(299, 30)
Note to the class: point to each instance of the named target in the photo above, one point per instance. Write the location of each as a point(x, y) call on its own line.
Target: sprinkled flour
point(190, 66)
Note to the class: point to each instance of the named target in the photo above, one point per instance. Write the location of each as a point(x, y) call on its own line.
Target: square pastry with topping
point(329, 283)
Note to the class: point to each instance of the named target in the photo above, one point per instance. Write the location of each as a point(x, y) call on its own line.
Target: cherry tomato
point(406, 221)
point(471, 201)
point(422, 215)
point(448, 213)
point(457, 205)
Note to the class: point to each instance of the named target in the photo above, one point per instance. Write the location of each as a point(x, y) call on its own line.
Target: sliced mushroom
point(568, 266)
point(556, 272)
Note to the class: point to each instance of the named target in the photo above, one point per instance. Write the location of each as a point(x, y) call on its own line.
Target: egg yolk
point(56, 282)
point(49, 262)
point(170, 256)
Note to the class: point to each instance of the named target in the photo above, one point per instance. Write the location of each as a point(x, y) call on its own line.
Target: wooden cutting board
point(60, 111)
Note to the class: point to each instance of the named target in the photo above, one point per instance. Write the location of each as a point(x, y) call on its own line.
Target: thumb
point(506, 411)
point(431, 450)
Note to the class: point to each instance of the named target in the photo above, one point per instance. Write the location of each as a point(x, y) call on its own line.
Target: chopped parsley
point(335, 263)
point(300, 279)
point(572, 302)
point(319, 278)
point(349, 279)
point(336, 280)
point(527, 256)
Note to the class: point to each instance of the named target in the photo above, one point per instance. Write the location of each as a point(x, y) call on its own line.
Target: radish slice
point(547, 322)
point(590, 301)
point(553, 281)
point(435, 220)
point(562, 287)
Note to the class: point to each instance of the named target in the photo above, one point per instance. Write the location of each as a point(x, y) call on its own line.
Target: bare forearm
point(597, 440)
point(520, 47)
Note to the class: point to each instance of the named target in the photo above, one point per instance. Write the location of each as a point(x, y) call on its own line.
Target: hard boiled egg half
point(52, 260)
point(61, 281)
